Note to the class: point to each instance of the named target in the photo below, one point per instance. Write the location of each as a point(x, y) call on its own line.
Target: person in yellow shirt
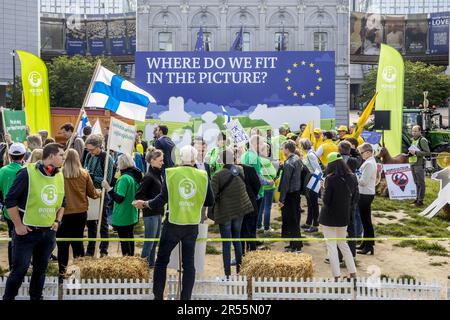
point(351, 129)
point(343, 133)
point(326, 148)
point(318, 138)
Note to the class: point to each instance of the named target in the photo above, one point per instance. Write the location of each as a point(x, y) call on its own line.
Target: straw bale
point(109, 268)
point(271, 264)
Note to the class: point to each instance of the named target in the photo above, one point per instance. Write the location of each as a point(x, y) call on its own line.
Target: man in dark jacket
point(290, 186)
point(164, 143)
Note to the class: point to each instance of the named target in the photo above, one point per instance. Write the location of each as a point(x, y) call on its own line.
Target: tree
point(419, 77)
point(69, 78)
point(14, 97)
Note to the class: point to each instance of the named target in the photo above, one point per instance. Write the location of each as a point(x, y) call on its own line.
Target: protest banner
point(14, 123)
point(121, 136)
point(237, 132)
point(400, 181)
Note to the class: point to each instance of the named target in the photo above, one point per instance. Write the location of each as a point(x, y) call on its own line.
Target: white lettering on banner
point(122, 136)
point(236, 132)
point(185, 204)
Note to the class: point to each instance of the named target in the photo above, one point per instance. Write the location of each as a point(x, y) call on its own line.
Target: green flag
point(390, 95)
point(15, 124)
point(35, 92)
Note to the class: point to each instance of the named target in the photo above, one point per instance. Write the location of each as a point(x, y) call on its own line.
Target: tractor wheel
point(443, 157)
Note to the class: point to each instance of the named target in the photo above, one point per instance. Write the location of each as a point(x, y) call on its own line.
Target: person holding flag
point(77, 143)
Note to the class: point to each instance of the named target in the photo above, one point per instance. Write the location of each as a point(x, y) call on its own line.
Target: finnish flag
point(226, 115)
point(314, 182)
point(113, 92)
point(84, 122)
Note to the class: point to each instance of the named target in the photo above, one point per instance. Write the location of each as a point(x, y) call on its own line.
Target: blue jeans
point(38, 244)
point(264, 209)
point(358, 224)
point(231, 229)
point(171, 235)
point(152, 225)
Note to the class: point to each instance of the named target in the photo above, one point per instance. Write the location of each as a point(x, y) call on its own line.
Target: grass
point(406, 277)
point(214, 228)
point(3, 227)
point(212, 250)
point(432, 249)
point(3, 271)
point(378, 215)
point(437, 264)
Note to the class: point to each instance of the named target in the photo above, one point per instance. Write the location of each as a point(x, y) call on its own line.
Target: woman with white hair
point(125, 215)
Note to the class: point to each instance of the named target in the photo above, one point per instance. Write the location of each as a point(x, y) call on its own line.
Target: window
point(281, 41)
point(320, 41)
point(246, 41)
point(207, 41)
point(165, 41)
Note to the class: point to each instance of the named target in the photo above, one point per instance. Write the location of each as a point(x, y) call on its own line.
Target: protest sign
point(236, 132)
point(121, 136)
point(400, 181)
point(15, 125)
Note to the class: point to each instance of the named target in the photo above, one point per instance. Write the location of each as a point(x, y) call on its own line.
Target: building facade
point(400, 6)
point(19, 29)
point(88, 6)
point(322, 25)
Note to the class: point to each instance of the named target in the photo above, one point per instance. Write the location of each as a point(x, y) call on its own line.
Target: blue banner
point(372, 137)
point(118, 47)
point(97, 46)
point(439, 33)
point(75, 46)
point(132, 43)
point(239, 81)
point(75, 38)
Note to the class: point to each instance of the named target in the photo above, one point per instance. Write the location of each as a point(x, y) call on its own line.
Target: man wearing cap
point(35, 204)
point(186, 190)
point(8, 173)
point(343, 133)
point(326, 148)
point(318, 138)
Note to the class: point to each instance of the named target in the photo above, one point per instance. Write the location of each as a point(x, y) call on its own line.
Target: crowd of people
point(47, 190)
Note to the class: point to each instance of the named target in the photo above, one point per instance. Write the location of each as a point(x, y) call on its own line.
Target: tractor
point(432, 129)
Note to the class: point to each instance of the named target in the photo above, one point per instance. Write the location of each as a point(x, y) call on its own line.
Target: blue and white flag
point(237, 44)
point(113, 92)
point(314, 182)
point(84, 122)
point(226, 116)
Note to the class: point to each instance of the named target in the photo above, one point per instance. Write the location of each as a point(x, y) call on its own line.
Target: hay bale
point(271, 264)
point(109, 268)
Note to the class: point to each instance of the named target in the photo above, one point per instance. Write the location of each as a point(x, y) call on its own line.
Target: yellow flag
point(364, 116)
point(35, 91)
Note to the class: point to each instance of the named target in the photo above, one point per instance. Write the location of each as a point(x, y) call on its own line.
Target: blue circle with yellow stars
point(297, 67)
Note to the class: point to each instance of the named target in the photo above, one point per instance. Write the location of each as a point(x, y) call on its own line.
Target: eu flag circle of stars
point(308, 93)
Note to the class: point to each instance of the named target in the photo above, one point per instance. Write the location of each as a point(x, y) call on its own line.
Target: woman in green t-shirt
point(269, 173)
point(124, 215)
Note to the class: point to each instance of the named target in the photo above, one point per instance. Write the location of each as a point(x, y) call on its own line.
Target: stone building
point(321, 25)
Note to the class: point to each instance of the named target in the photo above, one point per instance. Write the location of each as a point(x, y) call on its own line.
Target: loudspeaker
point(382, 120)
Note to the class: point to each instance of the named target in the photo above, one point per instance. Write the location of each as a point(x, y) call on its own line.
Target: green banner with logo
point(390, 95)
point(35, 92)
point(15, 125)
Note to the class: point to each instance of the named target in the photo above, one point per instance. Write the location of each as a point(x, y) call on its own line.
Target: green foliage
point(419, 77)
point(212, 250)
point(406, 277)
point(69, 78)
point(432, 249)
point(14, 97)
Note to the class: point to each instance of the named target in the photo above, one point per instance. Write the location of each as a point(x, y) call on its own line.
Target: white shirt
point(368, 178)
point(312, 162)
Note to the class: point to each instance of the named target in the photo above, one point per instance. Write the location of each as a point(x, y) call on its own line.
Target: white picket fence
point(235, 288)
point(50, 291)
point(293, 289)
point(213, 288)
point(108, 289)
point(397, 289)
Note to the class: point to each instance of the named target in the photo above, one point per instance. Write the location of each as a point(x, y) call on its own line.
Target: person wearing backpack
point(417, 152)
point(232, 203)
point(95, 164)
point(311, 163)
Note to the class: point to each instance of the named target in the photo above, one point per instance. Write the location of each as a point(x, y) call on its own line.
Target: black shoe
point(312, 229)
point(102, 255)
point(288, 247)
point(367, 250)
point(361, 246)
point(305, 226)
point(419, 204)
point(53, 258)
point(296, 250)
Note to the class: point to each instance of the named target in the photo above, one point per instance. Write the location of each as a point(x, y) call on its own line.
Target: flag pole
point(102, 198)
point(85, 101)
point(5, 132)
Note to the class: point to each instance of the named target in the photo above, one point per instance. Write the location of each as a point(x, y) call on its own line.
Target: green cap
point(333, 156)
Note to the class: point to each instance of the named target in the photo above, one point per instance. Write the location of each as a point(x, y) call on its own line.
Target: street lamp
point(13, 53)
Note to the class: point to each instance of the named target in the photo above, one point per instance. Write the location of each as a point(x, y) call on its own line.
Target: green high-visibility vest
point(187, 187)
point(45, 197)
point(413, 159)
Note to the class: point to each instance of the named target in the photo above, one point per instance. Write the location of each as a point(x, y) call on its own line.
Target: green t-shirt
point(124, 214)
point(268, 171)
point(251, 158)
point(213, 156)
point(7, 175)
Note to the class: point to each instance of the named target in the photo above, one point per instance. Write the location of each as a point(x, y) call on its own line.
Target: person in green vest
point(186, 190)
point(8, 173)
point(277, 142)
point(213, 155)
point(269, 173)
point(35, 204)
point(124, 214)
point(418, 150)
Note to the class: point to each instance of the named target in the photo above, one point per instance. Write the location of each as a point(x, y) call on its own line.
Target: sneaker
point(419, 204)
point(260, 229)
point(233, 262)
point(312, 229)
point(305, 226)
